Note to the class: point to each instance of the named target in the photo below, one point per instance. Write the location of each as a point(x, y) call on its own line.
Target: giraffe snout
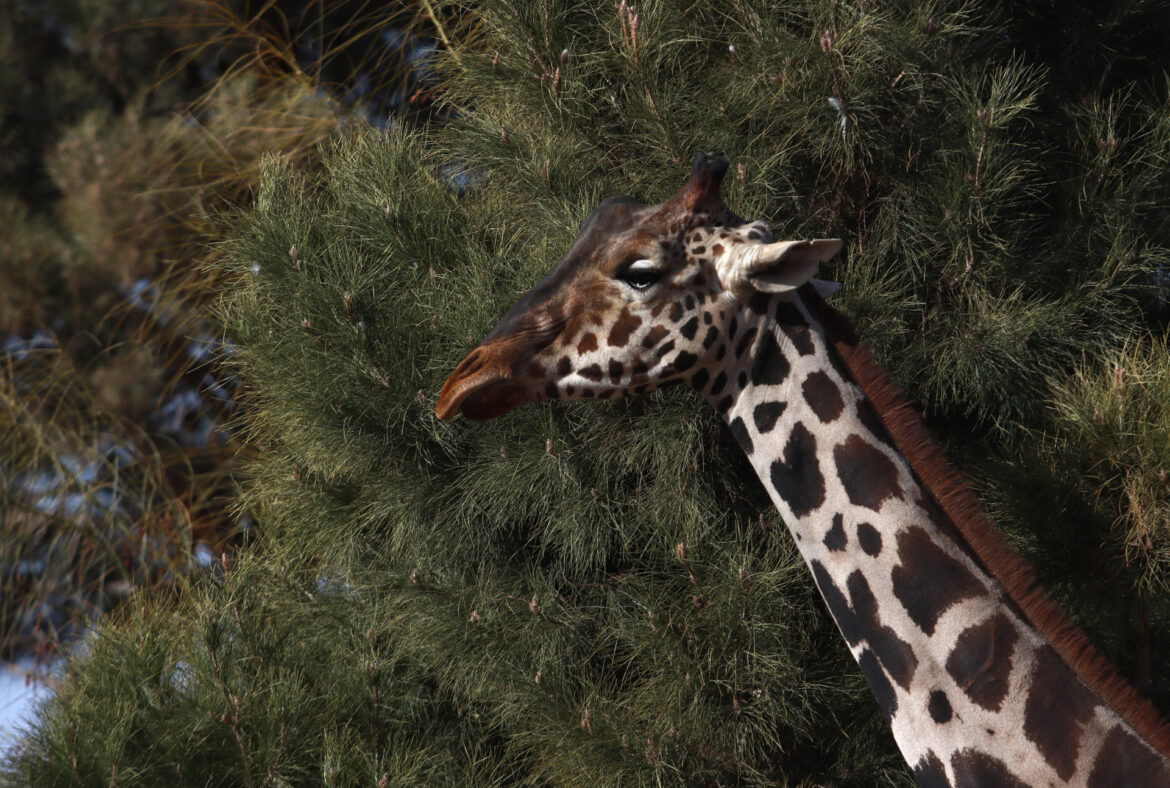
point(471, 364)
point(487, 383)
point(474, 374)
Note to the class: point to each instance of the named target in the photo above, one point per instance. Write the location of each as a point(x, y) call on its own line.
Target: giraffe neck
point(975, 693)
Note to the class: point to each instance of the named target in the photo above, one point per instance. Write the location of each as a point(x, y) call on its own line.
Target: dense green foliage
point(600, 593)
point(122, 128)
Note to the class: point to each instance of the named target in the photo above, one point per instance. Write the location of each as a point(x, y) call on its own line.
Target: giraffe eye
point(640, 274)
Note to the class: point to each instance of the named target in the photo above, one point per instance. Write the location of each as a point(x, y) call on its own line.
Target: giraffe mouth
point(496, 377)
point(483, 387)
point(481, 398)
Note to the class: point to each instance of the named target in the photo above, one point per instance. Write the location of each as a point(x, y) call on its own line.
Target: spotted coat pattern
point(686, 290)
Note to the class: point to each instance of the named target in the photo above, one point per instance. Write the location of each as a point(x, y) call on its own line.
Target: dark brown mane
point(955, 498)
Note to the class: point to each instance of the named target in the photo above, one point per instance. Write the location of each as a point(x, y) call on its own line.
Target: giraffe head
point(645, 296)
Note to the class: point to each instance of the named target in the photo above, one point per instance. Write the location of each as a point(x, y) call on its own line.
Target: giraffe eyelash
point(640, 274)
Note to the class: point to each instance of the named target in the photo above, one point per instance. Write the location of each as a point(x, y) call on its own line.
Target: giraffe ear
point(825, 289)
point(786, 265)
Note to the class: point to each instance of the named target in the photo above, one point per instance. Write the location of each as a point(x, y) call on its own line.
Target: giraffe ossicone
point(983, 682)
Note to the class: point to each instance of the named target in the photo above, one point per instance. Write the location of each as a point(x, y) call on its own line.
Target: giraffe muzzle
point(485, 385)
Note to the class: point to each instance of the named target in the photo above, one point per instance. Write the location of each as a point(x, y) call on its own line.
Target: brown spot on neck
point(823, 396)
point(928, 582)
point(1058, 705)
point(981, 661)
point(869, 477)
point(797, 475)
point(974, 768)
point(1123, 760)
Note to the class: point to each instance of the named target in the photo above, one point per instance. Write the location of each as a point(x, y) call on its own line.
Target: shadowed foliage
point(122, 133)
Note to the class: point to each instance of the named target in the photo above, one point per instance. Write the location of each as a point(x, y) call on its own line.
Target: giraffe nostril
point(470, 365)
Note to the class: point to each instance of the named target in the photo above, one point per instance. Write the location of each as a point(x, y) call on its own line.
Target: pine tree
point(114, 467)
point(600, 593)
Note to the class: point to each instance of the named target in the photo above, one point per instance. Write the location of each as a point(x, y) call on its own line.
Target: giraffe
point(981, 679)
